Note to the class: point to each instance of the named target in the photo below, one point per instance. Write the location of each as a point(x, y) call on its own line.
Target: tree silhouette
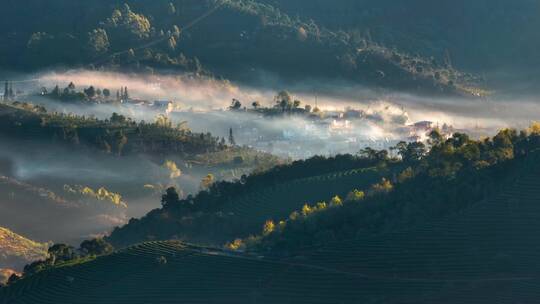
point(232, 141)
point(170, 197)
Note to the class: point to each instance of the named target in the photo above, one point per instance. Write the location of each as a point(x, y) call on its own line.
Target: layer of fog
point(500, 109)
point(201, 102)
point(40, 167)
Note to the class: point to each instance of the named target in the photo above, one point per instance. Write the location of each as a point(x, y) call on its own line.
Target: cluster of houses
point(338, 132)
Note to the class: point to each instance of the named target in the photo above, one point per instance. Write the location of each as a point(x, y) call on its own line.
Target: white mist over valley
point(353, 117)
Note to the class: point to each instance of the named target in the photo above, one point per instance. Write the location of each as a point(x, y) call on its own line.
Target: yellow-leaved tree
point(269, 227)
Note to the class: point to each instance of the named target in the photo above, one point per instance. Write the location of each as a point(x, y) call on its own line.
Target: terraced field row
point(494, 243)
point(190, 276)
point(279, 201)
point(487, 254)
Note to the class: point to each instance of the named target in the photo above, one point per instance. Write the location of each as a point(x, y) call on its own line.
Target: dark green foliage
point(96, 247)
point(61, 252)
point(98, 42)
point(455, 225)
point(219, 213)
point(435, 28)
point(170, 198)
point(411, 152)
point(58, 254)
point(118, 135)
point(454, 175)
point(143, 34)
point(86, 95)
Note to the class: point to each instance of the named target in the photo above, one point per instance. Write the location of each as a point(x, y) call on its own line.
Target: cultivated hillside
point(467, 235)
point(487, 254)
point(230, 210)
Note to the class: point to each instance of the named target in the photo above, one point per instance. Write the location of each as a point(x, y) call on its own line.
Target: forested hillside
point(226, 210)
point(238, 39)
point(474, 243)
point(386, 193)
point(472, 34)
point(118, 135)
point(459, 174)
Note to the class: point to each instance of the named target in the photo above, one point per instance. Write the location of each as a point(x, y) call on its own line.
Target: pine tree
point(231, 138)
point(11, 94)
point(6, 92)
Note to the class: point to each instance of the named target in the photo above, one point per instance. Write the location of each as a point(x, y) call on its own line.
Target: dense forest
point(475, 35)
point(232, 38)
point(215, 215)
point(459, 171)
point(456, 174)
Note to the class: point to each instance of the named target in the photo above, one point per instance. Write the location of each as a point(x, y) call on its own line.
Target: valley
point(269, 151)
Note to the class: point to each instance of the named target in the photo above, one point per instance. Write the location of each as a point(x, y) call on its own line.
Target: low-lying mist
point(203, 103)
point(197, 93)
point(37, 182)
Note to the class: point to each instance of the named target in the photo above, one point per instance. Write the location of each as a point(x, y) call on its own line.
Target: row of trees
point(91, 93)
point(206, 206)
point(59, 254)
point(118, 135)
point(283, 103)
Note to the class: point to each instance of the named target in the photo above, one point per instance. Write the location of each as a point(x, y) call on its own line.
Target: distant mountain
point(237, 39)
point(17, 251)
point(474, 34)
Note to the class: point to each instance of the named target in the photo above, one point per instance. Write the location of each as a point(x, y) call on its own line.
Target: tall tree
point(232, 141)
point(170, 197)
point(6, 92)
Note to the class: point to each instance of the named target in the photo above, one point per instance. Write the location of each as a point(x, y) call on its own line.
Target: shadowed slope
point(487, 254)
point(245, 213)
